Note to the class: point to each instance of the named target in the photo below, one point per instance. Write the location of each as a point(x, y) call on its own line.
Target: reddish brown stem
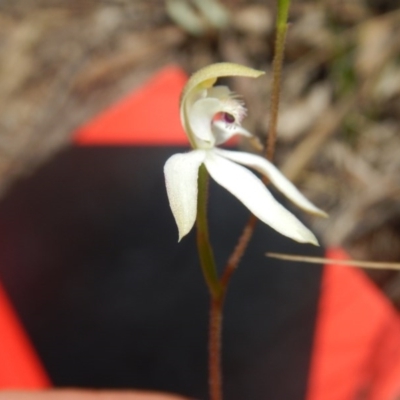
point(238, 252)
point(215, 331)
point(277, 63)
point(217, 299)
point(271, 142)
point(216, 312)
point(275, 92)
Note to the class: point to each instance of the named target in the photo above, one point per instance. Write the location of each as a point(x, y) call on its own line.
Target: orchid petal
point(223, 131)
point(244, 185)
point(205, 79)
point(266, 168)
point(207, 105)
point(181, 173)
point(200, 115)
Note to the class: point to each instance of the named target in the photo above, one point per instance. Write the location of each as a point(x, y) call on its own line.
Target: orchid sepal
point(181, 173)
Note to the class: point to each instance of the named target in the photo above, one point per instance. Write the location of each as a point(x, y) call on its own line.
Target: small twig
point(347, 263)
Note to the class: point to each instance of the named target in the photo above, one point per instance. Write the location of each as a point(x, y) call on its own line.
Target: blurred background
point(63, 61)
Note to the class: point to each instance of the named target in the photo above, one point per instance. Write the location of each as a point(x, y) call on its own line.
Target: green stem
point(204, 248)
point(214, 286)
point(281, 30)
point(282, 14)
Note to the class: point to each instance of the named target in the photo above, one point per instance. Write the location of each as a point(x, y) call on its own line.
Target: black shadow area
point(91, 261)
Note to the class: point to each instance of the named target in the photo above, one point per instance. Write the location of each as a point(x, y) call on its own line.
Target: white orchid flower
point(210, 116)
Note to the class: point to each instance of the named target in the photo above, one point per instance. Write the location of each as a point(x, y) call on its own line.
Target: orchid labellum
point(210, 116)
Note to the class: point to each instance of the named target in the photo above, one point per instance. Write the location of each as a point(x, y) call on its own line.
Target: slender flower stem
point(214, 350)
point(214, 286)
point(218, 286)
point(281, 29)
point(238, 251)
point(217, 301)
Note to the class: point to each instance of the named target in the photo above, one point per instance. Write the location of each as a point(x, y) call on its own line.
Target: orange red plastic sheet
point(149, 116)
point(19, 365)
point(356, 352)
